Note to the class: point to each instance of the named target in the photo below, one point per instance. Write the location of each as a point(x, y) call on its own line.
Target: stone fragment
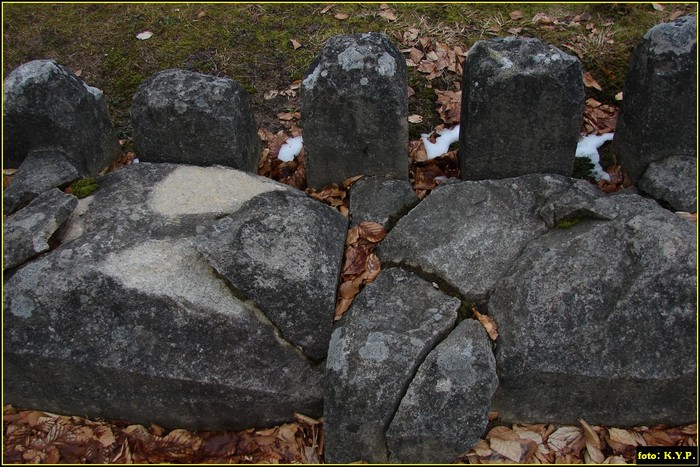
point(184, 117)
point(26, 233)
point(374, 353)
point(48, 107)
point(354, 106)
point(381, 200)
point(672, 181)
point(42, 170)
point(597, 321)
point(445, 411)
point(521, 109)
point(657, 117)
point(284, 251)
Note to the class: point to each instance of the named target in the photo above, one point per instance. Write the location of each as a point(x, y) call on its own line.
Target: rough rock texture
point(658, 114)
point(354, 107)
point(185, 117)
point(445, 411)
point(27, 232)
point(127, 320)
point(284, 251)
point(374, 353)
point(42, 170)
point(382, 200)
point(521, 109)
point(598, 321)
point(672, 181)
point(467, 234)
point(47, 106)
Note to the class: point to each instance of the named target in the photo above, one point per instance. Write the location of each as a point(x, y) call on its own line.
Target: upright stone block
point(354, 106)
point(191, 118)
point(658, 114)
point(47, 107)
point(522, 103)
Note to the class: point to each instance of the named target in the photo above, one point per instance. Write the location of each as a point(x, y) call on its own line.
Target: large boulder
point(127, 319)
point(672, 181)
point(597, 321)
point(658, 113)
point(354, 106)
point(47, 107)
point(184, 117)
point(374, 353)
point(521, 109)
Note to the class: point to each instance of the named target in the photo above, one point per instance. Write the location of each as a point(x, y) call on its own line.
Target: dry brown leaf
point(326, 9)
point(516, 15)
point(676, 14)
point(591, 435)
point(388, 14)
point(295, 43)
point(506, 448)
point(341, 16)
point(488, 323)
point(504, 433)
point(341, 307)
point(619, 96)
point(416, 55)
point(590, 82)
point(371, 231)
point(347, 183)
point(415, 118)
point(622, 436)
point(658, 6)
point(348, 290)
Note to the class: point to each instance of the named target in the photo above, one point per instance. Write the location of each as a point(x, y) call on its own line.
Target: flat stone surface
point(127, 320)
point(598, 321)
point(27, 232)
point(374, 353)
point(445, 410)
point(283, 250)
point(521, 109)
point(467, 234)
point(40, 171)
point(184, 117)
point(354, 107)
point(657, 117)
point(381, 200)
point(48, 107)
point(672, 181)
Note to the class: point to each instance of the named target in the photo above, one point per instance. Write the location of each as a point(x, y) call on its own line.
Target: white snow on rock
point(290, 149)
point(588, 147)
point(442, 142)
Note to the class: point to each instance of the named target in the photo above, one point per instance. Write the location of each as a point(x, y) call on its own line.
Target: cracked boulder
point(127, 319)
point(47, 107)
point(374, 354)
point(597, 320)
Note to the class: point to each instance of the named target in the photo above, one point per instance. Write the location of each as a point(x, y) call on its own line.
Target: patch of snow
point(588, 147)
point(290, 149)
point(442, 142)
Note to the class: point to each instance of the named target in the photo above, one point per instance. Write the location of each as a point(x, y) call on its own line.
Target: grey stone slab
point(354, 107)
point(521, 109)
point(283, 250)
point(673, 181)
point(48, 107)
point(26, 233)
point(184, 117)
point(598, 321)
point(657, 118)
point(445, 410)
point(374, 353)
point(381, 200)
point(40, 171)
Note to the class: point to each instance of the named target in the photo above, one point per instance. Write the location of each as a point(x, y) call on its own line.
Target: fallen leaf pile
point(31, 436)
point(547, 444)
point(426, 174)
point(360, 264)
point(291, 173)
point(599, 118)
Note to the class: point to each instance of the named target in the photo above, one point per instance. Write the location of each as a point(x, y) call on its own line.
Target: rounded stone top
point(677, 36)
point(38, 72)
point(523, 54)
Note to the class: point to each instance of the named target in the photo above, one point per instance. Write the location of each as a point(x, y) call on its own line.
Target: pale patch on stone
point(352, 58)
point(375, 348)
point(387, 65)
point(22, 306)
point(201, 190)
point(310, 81)
point(337, 353)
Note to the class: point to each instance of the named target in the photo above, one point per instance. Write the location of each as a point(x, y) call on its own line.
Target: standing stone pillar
point(354, 107)
point(657, 118)
point(522, 104)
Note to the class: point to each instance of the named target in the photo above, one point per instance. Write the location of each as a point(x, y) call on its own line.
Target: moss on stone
point(84, 187)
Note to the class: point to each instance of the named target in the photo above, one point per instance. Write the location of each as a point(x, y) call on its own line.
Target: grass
point(251, 42)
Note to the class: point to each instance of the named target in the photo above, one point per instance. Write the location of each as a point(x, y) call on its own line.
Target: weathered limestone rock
point(27, 232)
point(42, 170)
point(283, 250)
point(190, 118)
point(48, 107)
point(354, 107)
point(672, 181)
point(445, 411)
point(380, 199)
point(374, 353)
point(597, 321)
point(126, 319)
point(521, 109)
point(658, 114)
